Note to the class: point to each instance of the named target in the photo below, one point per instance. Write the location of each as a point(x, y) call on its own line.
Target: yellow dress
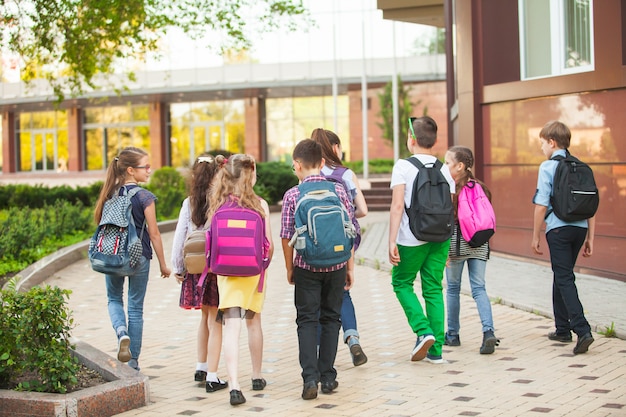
point(241, 292)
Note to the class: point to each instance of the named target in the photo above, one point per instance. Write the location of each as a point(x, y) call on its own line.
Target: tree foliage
point(405, 110)
point(71, 43)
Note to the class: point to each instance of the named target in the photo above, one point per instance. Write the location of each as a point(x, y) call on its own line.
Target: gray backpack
point(115, 248)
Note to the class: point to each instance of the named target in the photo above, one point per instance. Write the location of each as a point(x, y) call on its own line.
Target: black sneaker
point(452, 340)
point(489, 343)
point(212, 386)
point(560, 337)
point(236, 397)
point(199, 376)
point(358, 356)
point(309, 391)
point(330, 386)
point(583, 343)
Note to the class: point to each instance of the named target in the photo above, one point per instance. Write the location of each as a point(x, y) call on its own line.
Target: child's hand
point(179, 278)
point(349, 280)
point(394, 256)
point(290, 276)
point(535, 246)
point(165, 272)
point(587, 248)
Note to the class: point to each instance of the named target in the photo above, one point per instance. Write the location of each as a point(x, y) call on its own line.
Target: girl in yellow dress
point(241, 297)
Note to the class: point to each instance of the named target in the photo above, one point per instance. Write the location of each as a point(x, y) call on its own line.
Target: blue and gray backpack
point(324, 232)
point(115, 248)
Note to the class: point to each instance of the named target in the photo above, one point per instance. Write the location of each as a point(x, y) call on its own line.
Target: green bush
point(37, 196)
point(28, 234)
point(34, 340)
point(376, 166)
point(168, 185)
point(273, 179)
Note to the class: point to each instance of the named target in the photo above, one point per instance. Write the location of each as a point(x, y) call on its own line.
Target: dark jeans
point(565, 243)
point(318, 297)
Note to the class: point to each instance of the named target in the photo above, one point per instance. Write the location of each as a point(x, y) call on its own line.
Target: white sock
point(202, 366)
point(212, 377)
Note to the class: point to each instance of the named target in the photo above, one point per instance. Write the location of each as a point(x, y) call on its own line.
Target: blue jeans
point(137, 284)
point(476, 268)
point(348, 317)
point(317, 298)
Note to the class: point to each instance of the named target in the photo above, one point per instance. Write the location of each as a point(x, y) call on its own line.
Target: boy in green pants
point(408, 255)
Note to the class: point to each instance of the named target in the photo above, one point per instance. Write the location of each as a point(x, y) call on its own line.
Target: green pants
point(430, 261)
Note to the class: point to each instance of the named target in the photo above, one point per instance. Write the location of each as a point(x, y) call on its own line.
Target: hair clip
point(207, 159)
point(116, 159)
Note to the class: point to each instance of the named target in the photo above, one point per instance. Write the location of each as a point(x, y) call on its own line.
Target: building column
point(75, 143)
point(159, 148)
point(255, 134)
point(9, 154)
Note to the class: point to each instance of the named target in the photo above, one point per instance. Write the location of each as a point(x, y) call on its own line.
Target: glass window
point(199, 127)
point(556, 37)
point(42, 141)
point(110, 129)
point(289, 120)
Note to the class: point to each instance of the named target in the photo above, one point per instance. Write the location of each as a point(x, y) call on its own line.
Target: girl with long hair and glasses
point(128, 169)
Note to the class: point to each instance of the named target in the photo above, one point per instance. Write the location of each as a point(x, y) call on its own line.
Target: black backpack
point(574, 192)
point(431, 215)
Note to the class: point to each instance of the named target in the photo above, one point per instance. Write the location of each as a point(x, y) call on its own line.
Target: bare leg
point(203, 335)
point(215, 340)
point(232, 328)
point(255, 344)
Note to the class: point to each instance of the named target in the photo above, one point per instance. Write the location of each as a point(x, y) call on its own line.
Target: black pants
point(318, 297)
point(565, 243)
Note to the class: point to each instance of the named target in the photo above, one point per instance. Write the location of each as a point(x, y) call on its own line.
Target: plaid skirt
point(194, 297)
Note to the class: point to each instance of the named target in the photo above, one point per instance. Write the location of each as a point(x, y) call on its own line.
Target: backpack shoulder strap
point(416, 162)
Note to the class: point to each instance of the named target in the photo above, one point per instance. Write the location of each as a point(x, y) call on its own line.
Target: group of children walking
point(322, 290)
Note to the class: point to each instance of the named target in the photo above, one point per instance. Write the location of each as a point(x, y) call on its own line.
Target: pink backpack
point(236, 244)
point(476, 216)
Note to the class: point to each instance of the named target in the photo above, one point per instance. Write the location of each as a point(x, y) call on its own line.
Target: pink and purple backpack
point(476, 216)
point(236, 244)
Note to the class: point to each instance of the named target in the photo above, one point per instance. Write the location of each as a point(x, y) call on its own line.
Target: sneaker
point(199, 376)
point(123, 348)
point(583, 343)
point(452, 340)
point(236, 397)
point(212, 386)
point(134, 363)
point(328, 387)
point(436, 359)
point(489, 343)
point(258, 384)
point(560, 337)
point(309, 390)
point(423, 343)
point(358, 356)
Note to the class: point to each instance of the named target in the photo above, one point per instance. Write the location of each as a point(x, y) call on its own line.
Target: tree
point(433, 44)
point(405, 110)
point(75, 43)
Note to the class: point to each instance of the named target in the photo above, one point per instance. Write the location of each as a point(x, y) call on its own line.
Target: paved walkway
point(527, 375)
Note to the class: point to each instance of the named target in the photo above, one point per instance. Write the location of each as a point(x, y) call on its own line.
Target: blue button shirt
point(544, 191)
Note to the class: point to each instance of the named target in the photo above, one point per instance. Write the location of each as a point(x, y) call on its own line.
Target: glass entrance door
point(44, 155)
point(204, 137)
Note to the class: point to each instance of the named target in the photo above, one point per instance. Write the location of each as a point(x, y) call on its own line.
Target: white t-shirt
point(405, 173)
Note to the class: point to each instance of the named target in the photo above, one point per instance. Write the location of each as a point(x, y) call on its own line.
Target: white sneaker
point(123, 349)
point(437, 360)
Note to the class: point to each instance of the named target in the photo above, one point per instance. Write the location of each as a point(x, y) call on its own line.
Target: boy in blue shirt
point(565, 239)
